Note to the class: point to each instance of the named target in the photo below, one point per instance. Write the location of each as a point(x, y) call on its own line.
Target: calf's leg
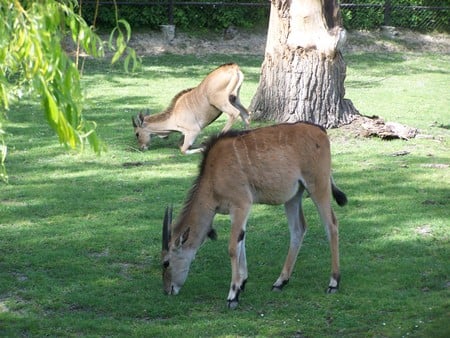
point(188, 141)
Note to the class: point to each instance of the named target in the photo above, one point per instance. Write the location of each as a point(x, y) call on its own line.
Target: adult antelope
point(269, 165)
point(193, 109)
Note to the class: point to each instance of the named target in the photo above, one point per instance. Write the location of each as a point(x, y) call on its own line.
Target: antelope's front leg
point(188, 141)
point(239, 273)
point(238, 269)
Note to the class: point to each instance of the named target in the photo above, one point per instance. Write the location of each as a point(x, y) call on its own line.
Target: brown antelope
point(269, 165)
point(193, 109)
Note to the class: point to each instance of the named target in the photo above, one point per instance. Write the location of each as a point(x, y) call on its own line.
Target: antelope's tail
point(245, 115)
point(234, 98)
point(338, 195)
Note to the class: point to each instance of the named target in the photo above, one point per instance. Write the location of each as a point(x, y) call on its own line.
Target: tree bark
point(303, 73)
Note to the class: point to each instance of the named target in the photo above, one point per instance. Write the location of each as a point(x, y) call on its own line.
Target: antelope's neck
point(158, 123)
point(198, 216)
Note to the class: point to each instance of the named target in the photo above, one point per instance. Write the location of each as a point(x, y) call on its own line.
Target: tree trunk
point(303, 73)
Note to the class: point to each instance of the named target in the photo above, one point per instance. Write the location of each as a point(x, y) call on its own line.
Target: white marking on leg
point(333, 283)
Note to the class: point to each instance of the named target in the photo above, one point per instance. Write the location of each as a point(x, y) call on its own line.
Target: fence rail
point(387, 12)
point(253, 4)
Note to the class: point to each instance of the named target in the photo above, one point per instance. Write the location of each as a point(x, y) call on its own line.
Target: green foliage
point(32, 59)
point(81, 234)
point(366, 14)
point(246, 17)
point(370, 14)
point(118, 40)
point(148, 16)
point(419, 18)
point(367, 18)
point(189, 18)
point(33, 62)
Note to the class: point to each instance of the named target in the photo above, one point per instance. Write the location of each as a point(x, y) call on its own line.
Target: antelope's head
point(142, 135)
point(175, 256)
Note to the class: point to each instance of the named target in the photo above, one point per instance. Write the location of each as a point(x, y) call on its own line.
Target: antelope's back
point(269, 160)
point(220, 78)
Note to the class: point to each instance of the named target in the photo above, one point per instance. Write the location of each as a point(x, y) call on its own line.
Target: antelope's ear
point(133, 121)
point(183, 238)
point(212, 234)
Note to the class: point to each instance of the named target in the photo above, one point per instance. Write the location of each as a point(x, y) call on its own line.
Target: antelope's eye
point(137, 135)
point(166, 264)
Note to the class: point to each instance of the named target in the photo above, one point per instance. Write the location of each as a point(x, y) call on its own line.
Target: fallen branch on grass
point(374, 126)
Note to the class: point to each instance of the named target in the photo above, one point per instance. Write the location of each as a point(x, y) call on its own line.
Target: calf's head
point(142, 135)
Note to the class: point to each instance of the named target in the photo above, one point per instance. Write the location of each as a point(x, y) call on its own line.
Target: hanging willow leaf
point(119, 43)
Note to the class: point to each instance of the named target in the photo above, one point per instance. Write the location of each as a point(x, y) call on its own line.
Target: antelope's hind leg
point(244, 113)
point(233, 114)
point(297, 229)
point(333, 237)
point(230, 120)
point(330, 222)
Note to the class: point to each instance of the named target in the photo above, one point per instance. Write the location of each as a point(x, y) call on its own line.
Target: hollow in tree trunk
point(303, 73)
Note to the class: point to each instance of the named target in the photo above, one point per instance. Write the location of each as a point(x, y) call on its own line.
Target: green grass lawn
point(81, 234)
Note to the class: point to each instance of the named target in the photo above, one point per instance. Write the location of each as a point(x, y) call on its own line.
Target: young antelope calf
point(193, 109)
point(269, 165)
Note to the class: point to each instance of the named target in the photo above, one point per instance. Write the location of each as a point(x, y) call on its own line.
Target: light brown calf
point(193, 109)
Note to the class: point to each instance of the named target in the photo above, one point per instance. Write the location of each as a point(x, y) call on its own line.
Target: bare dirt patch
point(401, 40)
point(253, 43)
point(154, 43)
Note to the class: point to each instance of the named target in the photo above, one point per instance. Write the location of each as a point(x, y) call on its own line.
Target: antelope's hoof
point(279, 287)
point(233, 304)
point(332, 289)
point(242, 288)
